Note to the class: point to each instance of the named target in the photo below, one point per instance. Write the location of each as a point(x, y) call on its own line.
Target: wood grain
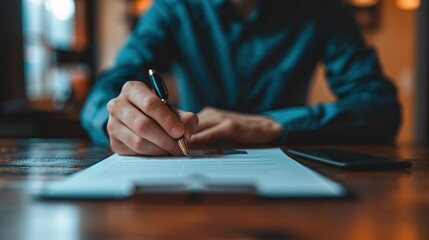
point(386, 205)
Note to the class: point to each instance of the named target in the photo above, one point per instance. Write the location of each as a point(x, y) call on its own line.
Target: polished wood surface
point(385, 204)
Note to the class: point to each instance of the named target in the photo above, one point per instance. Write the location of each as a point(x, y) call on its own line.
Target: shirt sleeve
point(146, 47)
point(366, 109)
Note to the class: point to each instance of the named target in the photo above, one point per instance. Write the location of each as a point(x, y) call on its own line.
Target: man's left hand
point(220, 125)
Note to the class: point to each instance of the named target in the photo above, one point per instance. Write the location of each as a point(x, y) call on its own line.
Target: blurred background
point(52, 51)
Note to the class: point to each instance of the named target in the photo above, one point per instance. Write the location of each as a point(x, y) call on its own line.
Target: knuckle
point(208, 110)
point(112, 105)
point(128, 86)
point(149, 104)
point(109, 126)
point(230, 124)
point(139, 144)
point(142, 125)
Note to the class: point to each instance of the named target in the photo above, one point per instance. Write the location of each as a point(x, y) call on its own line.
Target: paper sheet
point(269, 171)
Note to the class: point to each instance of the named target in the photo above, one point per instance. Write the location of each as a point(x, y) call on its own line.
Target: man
point(244, 66)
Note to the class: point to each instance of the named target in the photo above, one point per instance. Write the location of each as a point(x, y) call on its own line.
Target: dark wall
point(422, 52)
point(425, 63)
point(11, 51)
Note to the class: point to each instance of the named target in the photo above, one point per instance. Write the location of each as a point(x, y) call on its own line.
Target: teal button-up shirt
point(260, 65)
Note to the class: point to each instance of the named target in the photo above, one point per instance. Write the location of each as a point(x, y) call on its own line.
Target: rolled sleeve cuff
point(286, 118)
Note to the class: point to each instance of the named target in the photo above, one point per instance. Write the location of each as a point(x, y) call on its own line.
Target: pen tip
point(183, 146)
point(151, 71)
point(185, 152)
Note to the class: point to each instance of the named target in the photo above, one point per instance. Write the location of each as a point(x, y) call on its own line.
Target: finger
point(145, 127)
point(209, 117)
point(120, 148)
point(206, 121)
point(135, 142)
point(205, 124)
point(211, 134)
point(190, 120)
point(144, 99)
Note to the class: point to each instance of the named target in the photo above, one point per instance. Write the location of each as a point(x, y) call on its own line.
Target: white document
point(268, 172)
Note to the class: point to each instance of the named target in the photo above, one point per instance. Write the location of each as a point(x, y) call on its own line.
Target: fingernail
point(177, 130)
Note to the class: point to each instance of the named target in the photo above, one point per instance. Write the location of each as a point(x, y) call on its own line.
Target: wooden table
point(387, 204)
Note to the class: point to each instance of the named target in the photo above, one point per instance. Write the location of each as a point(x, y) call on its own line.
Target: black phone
point(349, 160)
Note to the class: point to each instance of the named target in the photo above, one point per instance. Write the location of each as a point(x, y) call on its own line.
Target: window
point(55, 58)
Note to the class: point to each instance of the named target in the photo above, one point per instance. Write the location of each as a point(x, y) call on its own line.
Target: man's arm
point(148, 46)
point(366, 109)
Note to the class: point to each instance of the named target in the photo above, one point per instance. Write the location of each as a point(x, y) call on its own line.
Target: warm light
point(408, 4)
point(363, 3)
point(61, 9)
point(141, 6)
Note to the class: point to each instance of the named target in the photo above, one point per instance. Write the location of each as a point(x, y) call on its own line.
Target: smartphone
point(349, 160)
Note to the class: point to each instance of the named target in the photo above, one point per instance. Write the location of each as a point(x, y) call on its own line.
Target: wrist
point(273, 128)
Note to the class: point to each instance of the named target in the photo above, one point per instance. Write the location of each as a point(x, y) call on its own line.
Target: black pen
point(158, 85)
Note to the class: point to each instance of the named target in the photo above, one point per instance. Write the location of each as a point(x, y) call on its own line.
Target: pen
point(158, 85)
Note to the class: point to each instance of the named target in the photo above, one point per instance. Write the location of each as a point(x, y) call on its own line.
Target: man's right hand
point(141, 124)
